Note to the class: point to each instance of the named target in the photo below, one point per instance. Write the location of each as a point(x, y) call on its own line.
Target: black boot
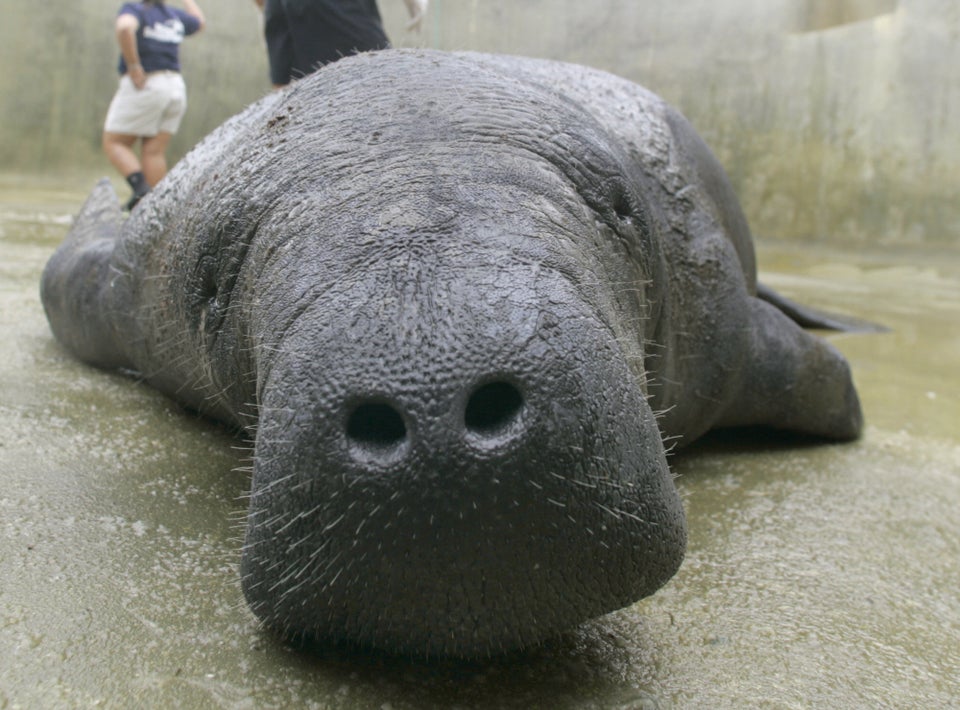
point(140, 188)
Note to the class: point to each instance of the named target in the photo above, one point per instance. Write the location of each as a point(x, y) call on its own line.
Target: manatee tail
point(75, 287)
point(807, 317)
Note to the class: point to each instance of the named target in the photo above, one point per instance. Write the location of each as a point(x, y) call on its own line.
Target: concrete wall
point(836, 119)
point(58, 61)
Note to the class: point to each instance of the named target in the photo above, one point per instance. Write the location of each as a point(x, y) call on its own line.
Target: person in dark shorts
point(303, 35)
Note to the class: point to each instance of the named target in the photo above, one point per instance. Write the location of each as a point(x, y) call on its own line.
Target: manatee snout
point(470, 480)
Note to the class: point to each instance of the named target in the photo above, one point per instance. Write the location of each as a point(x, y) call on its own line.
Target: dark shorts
point(302, 35)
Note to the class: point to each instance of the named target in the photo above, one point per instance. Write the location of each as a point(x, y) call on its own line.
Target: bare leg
point(153, 153)
point(119, 150)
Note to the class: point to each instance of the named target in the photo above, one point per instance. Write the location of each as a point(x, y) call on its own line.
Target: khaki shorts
point(158, 106)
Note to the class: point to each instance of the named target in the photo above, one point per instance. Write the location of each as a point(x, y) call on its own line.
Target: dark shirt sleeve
point(190, 23)
point(130, 8)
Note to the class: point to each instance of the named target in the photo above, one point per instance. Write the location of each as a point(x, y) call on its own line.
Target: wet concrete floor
point(817, 575)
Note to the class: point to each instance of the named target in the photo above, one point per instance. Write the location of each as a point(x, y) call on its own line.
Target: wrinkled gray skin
point(458, 302)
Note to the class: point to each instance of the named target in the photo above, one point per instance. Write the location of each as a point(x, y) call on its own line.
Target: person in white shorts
point(152, 97)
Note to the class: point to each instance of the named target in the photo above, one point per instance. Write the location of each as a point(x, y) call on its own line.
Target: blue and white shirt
point(159, 35)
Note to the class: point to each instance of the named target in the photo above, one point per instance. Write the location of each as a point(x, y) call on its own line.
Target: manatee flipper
point(808, 317)
point(793, 380)
point(76, 283)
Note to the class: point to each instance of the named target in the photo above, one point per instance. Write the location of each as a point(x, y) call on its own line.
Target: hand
point(417, 10)
point(137, 75)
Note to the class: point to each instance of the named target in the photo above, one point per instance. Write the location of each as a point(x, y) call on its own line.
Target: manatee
point(462, 306)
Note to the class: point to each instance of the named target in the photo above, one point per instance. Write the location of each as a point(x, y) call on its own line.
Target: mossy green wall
point(836, 119)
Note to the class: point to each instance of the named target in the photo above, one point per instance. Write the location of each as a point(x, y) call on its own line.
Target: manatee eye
point(622, 206)
point(206, 280)
point(203, 292)
point(629, 208)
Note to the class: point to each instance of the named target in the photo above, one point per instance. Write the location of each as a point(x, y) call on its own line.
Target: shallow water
point(816, 576)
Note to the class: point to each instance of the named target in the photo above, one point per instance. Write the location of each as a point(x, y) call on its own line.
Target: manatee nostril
point(376, 426)
point(492, 409)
